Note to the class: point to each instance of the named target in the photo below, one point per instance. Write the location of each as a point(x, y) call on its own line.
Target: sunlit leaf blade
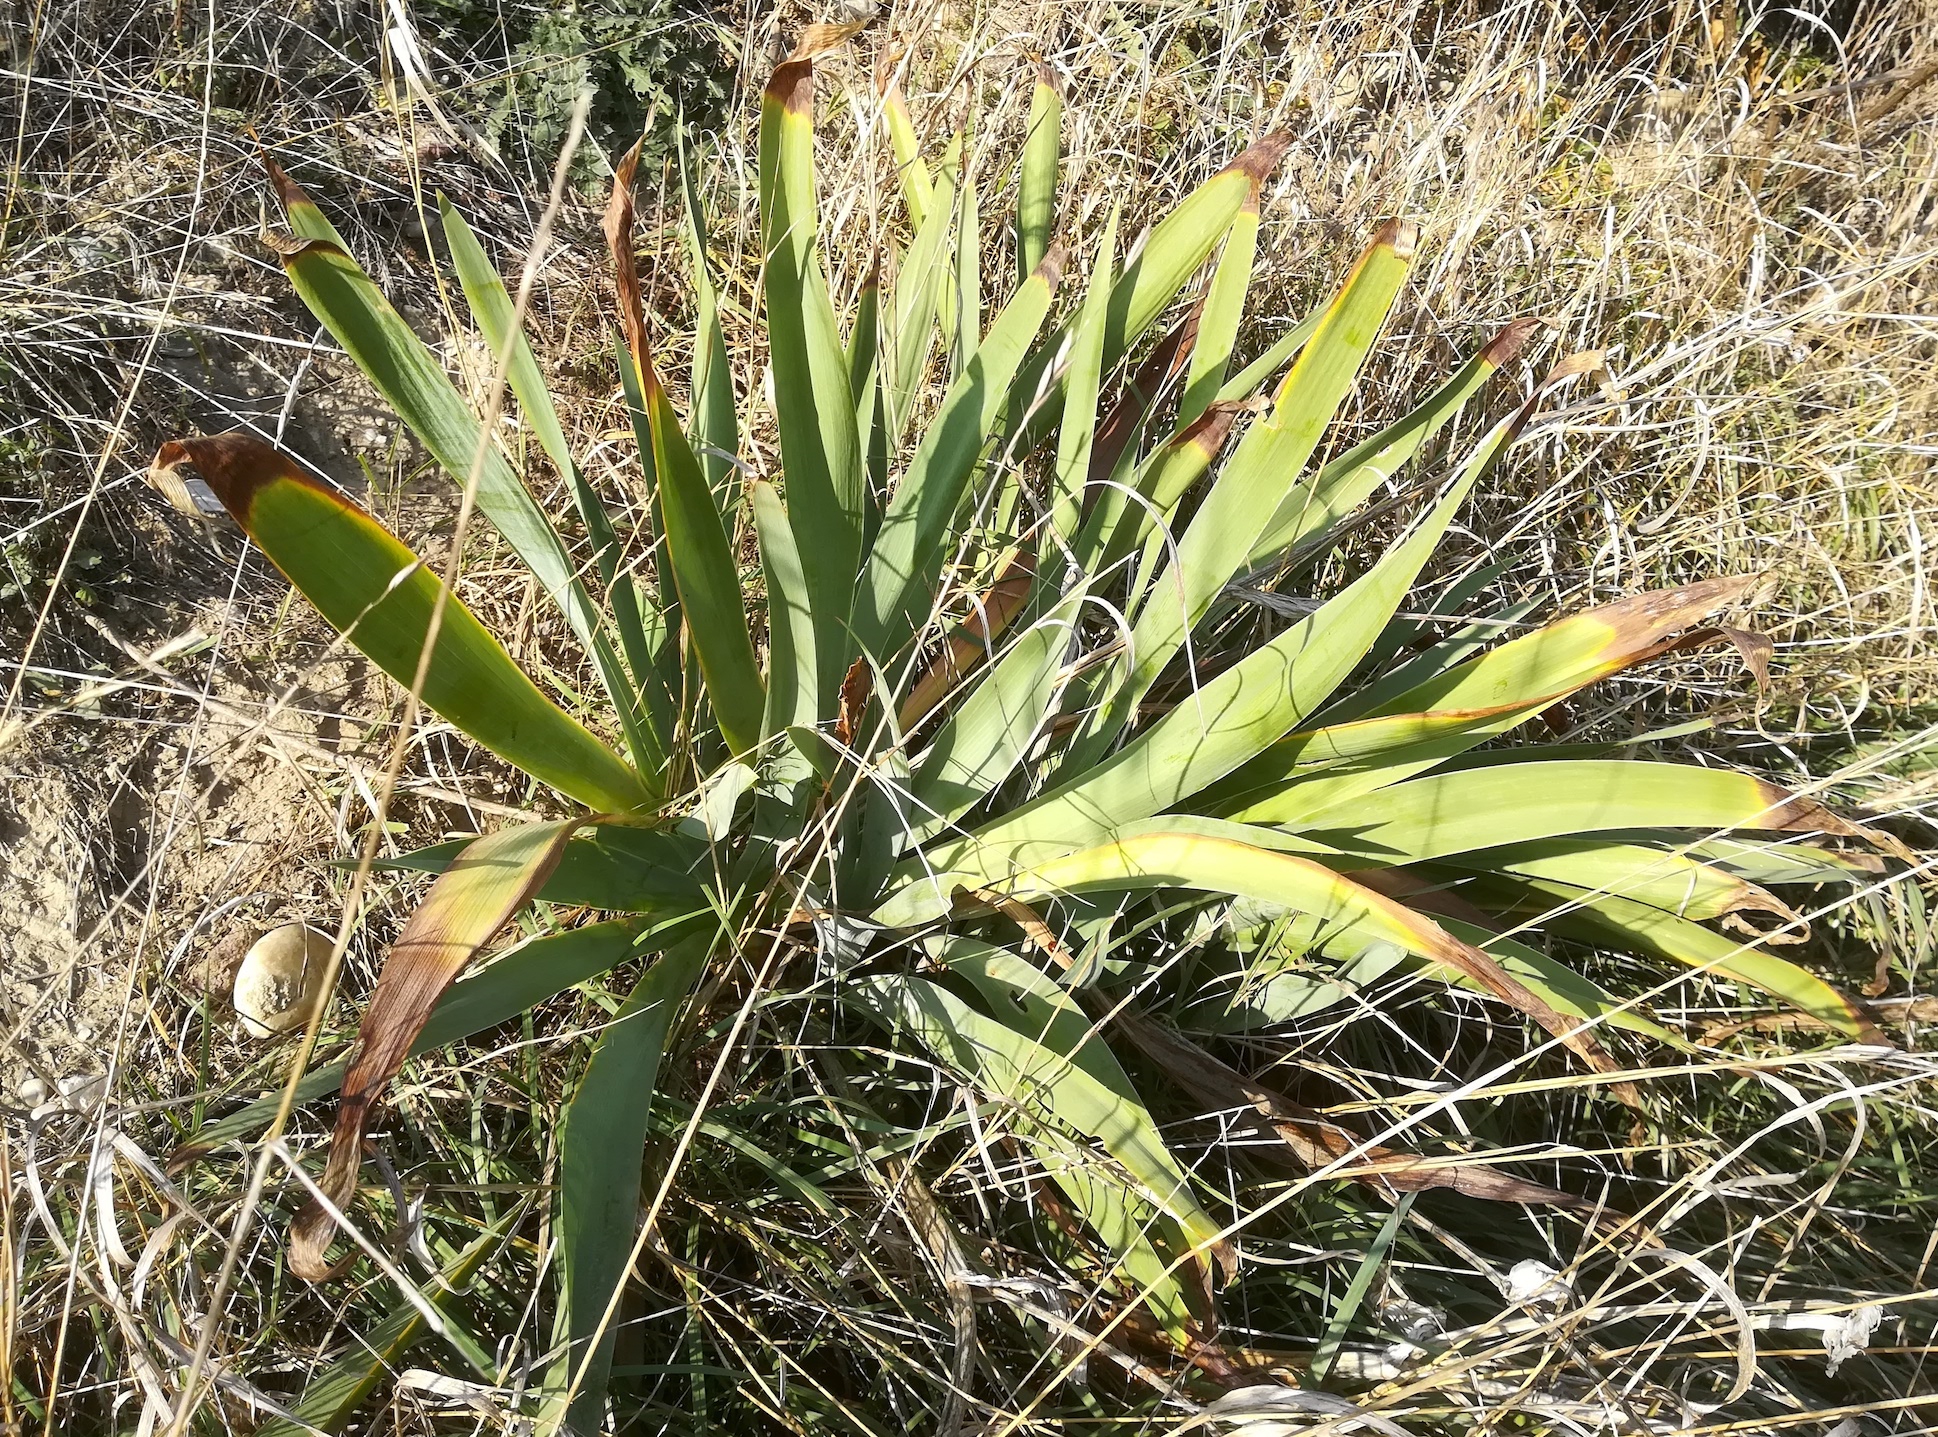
point(697, 545)
point(1560, 986)
point(331, 1398)
point(1182, 241)
point(827, 498)
point(464, 910)
point(1342, 484)
point(1493, 804)
point(601, 1134)
point(1083, 379)
point(713, 425)
point(966, 291)
point(1228, 720)
point(404, 371)
point(1188, 860)
point(370, 587)
point(1224, 308)
point(918, 186)
point(790, 621)
point(491, 306)
point(1623, 923)
point(1036, 182)
point(1671, 881)
point(920, 290)
point(1391, 731)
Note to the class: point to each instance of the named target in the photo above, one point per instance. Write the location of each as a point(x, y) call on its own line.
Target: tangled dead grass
point(1743, 213)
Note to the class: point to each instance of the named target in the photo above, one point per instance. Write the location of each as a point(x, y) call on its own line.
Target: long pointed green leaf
point(1339, 487)
point(697, 546)
point(1228, 720)
point(713, 425)
point(1036, 183)
point(1224, 308)
point(1404, 733)
point(1484, 807)
point(1158, 859)
point(648, 733)
point(1258, 475)
point(1083, 379)
point(370, 587)
point(395, 360)
point(790, 620)
point(1641, 928)
point(601, 1134)
point(827, 488)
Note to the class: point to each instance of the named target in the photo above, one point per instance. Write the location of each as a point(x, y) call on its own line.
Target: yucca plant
point(1025, 735)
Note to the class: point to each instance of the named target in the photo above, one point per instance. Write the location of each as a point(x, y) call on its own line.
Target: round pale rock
point(280, 979)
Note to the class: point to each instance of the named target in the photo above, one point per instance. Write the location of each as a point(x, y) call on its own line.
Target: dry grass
point(1743, 215)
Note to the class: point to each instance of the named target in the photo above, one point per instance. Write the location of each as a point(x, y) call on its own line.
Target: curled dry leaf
point(472, 899)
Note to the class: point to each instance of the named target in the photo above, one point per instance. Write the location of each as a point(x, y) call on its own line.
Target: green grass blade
point(1036, 183)
point(614, 867)
point(1674, 882)
point(601, 1135)
point(374, 590)
point(918, 185)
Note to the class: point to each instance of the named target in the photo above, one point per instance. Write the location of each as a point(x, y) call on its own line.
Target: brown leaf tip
point(1400, 236)
point(1509, 340)
point(819, 39)
point(1262, 157)
point(288, 193)
point(1050, 268)
point(791, 87)
point(236, 465)
point(1047, 78)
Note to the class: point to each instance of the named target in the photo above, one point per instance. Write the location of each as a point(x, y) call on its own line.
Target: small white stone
point(1535, 1284)
point(280, 979)
point(32, 1092)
